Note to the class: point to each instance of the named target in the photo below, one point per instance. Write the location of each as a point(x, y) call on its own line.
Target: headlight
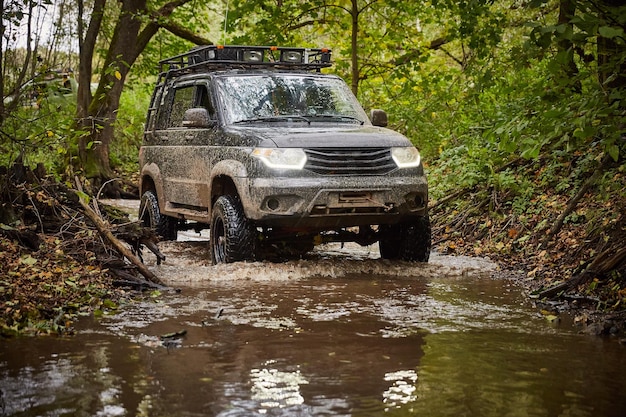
point(281, 158)
point(407, 157)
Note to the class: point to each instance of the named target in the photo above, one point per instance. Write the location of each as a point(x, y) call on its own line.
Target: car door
point(186, 168)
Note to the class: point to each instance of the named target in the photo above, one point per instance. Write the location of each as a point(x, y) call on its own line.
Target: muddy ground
point(65, 273)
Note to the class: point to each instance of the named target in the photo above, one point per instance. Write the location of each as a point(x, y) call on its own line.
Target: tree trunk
point(87, 44)
point(96, 114)
point(611, 54)
point(27, 62)
point(567, 10)
point(93, 146)
point(1, 65)
point(355, 47)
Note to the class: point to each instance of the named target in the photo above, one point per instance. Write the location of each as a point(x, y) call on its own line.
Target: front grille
point(339, 161)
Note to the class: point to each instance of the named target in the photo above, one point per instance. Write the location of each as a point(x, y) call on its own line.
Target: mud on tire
point(150, 215)
point(233, 236)
point(408, 241)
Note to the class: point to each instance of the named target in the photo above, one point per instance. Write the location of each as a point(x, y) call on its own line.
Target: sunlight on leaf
point(28, 260)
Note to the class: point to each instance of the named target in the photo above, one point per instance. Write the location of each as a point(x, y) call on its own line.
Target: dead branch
point(128, 280)
point(573, 202)
point(437, 203)
point(602, 264)
point(136, 236)
point(105, 231)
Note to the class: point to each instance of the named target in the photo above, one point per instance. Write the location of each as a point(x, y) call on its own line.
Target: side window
point(183, 100)
point(163, 113)
point(204, 100)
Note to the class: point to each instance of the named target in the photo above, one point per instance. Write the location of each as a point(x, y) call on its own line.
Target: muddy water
point(341, 333)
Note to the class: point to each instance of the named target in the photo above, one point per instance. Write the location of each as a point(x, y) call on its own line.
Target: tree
point(590, 41)
point(13, 14)
point(137, 22)
point(375, 37)
point(331, 22)
point(612, 46)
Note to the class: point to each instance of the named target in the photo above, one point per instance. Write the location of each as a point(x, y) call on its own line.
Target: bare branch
point(414, 54)
point(185, 33)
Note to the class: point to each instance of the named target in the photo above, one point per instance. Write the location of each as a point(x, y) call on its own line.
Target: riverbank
point(45, 291)
point(50, 279)
point(55, 266)
point(566, 247)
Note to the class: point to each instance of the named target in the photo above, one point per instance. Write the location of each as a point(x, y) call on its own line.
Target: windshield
point(305, 97)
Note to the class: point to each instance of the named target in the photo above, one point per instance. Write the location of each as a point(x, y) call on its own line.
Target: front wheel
point(233, 236)
point(409, 241)
point(150, 215)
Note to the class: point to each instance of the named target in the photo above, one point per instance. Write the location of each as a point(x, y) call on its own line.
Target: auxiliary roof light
point(253, 55)
point(291, 55)
point(250, 56)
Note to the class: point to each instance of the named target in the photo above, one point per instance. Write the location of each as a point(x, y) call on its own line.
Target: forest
point(518, 108)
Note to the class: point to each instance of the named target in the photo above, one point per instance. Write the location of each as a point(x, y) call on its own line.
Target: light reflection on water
point(402, 390)
point(272, 388)
point(362, 340)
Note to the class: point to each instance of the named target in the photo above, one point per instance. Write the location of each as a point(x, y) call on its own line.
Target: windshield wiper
point(339, 117)
point(279, 118)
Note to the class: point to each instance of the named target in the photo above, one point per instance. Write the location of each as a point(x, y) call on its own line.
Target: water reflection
point(490, 373)
point(357, 345)
point(272, 388)
point(402, 389)
point(56, 385)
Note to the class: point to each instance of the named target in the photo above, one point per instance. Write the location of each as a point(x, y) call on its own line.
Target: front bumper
point(325, 202)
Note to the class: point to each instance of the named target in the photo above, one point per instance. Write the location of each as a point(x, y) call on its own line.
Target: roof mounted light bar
point(220, 56)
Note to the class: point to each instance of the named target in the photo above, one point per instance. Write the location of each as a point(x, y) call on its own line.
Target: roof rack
point(228, 57)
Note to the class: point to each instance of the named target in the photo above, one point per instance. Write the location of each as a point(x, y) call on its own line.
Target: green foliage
point(39, 134)
point(129, 127)
point(474, 84)
point(44, 132)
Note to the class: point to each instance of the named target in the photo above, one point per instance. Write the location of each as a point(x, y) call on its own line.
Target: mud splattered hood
point(319, 136)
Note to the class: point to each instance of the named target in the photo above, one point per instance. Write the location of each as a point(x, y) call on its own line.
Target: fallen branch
point(453, 196)
point(105, 232)
point(602, 264)
point(136, 236)
point(128, 280)
point(573, 202)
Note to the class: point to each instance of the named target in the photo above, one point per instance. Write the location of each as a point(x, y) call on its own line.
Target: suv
point(274, 157)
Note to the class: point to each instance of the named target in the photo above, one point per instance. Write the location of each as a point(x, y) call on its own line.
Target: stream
point(339, 333)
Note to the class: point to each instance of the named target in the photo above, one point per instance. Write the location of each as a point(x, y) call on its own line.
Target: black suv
point(274, 157)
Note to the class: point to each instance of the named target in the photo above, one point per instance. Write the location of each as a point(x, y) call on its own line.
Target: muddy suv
point(274, 157)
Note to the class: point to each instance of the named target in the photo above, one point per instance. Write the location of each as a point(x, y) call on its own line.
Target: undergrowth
point(510, 216)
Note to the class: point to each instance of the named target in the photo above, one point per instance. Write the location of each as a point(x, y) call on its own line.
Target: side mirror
point(197, 117)
point(379, 117)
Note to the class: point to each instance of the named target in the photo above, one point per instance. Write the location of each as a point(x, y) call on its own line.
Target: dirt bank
point(55, 265)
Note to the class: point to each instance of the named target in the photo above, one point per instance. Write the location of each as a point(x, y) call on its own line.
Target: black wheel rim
point(219, 241)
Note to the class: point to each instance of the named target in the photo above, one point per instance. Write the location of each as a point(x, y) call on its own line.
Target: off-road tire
point(389, 242)
point(408, 241)
point(150, 215)
point(233, 236)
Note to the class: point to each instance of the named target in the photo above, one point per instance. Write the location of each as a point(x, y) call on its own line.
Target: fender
point(152, 171)
point(237, 173)
point(230, 168)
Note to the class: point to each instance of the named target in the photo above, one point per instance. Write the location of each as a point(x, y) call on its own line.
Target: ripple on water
point(188, 263)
